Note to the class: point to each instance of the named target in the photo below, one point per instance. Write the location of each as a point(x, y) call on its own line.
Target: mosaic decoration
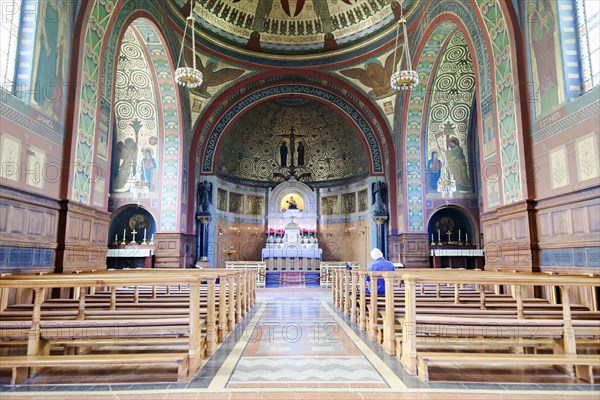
point(348, 203)
point(327, 149)
point(451, 102)
point(341, 104)
point(135, 146)
point(221, 200)
point(498, 33)
point(329, 205)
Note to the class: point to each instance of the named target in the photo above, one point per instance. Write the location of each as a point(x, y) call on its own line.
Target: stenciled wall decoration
point(135, 142)
point(450, 108)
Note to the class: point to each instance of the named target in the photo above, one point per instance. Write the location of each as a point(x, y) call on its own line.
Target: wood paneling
point(560, 223)
point(569, 220)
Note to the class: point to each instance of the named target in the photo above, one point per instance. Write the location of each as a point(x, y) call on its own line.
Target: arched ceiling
point(292, 27)
point(333, 151)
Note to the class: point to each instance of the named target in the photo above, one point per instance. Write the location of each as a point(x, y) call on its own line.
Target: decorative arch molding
point(361, 122)
point(103, 29)
point(502, 42)
point(489, 39)
point(414, 126)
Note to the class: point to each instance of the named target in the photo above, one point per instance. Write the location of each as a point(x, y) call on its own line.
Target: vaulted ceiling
point(291, 27)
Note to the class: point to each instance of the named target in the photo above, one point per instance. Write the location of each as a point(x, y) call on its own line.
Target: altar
point(291, 253)
point(292, 249)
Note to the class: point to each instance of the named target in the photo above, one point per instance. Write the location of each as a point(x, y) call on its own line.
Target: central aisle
point(296, 340)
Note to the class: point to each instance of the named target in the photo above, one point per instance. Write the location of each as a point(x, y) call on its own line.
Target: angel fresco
point(212, 76)
point(374, 75)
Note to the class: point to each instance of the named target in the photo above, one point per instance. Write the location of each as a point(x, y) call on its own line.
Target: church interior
point(191, 190)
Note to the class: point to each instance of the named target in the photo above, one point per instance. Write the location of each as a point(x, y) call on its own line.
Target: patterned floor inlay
point(301, 344)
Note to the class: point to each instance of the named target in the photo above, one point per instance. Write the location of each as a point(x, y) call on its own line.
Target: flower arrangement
point(308, 233)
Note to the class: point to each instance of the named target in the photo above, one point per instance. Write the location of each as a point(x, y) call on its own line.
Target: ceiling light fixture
point(185, 76)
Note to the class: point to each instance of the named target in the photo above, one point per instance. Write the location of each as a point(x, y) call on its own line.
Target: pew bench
point(517, 345)
point(21, 364)
point(424, 360)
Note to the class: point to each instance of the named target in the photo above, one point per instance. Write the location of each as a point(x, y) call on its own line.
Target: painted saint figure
point(148, 167)
point(434, 168)
point(283, 151)
point(458, 165)
point(300, 154)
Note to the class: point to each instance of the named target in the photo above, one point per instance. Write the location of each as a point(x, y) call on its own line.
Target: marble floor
point(294, 345)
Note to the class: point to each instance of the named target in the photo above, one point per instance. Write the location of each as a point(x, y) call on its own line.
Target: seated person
point(379, 264)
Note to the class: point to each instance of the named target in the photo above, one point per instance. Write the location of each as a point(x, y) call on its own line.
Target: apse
point(279, 136)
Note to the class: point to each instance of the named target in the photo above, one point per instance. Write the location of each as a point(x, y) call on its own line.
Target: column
point(202, 220)
point(381, 221)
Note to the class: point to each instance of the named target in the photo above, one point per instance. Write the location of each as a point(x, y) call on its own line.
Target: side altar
point(292, 250)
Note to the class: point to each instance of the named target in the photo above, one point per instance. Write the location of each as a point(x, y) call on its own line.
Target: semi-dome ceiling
point(332, 150)
point(292, 26)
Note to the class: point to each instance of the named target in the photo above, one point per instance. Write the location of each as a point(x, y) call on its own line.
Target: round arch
point(103, 25)
point(241, 97)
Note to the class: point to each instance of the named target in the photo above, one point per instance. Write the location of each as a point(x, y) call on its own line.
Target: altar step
point(293, 278)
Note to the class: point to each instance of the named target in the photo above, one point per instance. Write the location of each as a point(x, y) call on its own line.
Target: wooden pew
point(37, 346)
point(21, 364)
point(412, 277)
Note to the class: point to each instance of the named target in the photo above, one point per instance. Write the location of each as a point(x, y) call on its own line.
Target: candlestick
point(439, 237)
point(144, 234)
point(459, 235)
point(466, 238)
point(124, 236)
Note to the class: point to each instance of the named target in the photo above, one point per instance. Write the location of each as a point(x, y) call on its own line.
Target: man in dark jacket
point(379, 264)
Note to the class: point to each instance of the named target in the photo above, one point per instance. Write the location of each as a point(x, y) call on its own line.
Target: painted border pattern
point(497, 30)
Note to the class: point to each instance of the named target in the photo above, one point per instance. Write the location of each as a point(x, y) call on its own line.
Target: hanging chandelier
point(185, 76)
point(405, 78)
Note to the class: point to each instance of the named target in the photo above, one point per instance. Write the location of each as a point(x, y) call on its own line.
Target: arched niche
point(279, 211)
point(456, 220)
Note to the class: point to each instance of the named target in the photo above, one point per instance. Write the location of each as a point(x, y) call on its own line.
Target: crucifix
point(133, 233)
point(292, 136)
